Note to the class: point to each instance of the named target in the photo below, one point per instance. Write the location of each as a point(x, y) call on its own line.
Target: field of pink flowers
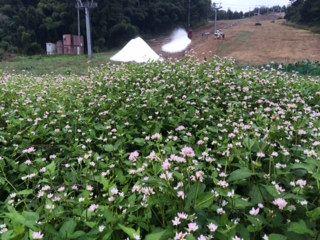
point(160, 151)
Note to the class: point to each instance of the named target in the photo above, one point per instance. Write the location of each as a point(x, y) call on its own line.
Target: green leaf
point(129, 231)
point(157, 235)
point(7, 235)
point(51, 167)
point(248, 143)
point(194, 191)
point(27, 219)
point(108, 215)
point(108, 148)
point(271, 190)
point(241, 204)
point(243, 231)
point(277, 237)
point(204, 201)
point(25, 192)
point(314, 214)
point(310, 168)
point(300, 228)
point(119, 176)
point(139, 141)
point(191, 237)
point(240, 174)
point(255, 195)
point(77, 235)
point(107, 235)
point(31, 217)
point(67, 229)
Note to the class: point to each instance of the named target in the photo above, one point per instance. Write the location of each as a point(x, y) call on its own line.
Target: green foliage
point(121, 32)
point(155, 150)
point(304, 12)
point(25, 26)
point(304, 68)
point(58, 64)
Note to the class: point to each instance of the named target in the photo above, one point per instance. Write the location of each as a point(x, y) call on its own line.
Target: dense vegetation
point(304, 12)
point(160, 151)
point(304, 68)
point(223, 14)
point(25, 25)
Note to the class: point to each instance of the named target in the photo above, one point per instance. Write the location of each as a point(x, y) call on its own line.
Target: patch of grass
point(315, 28)
point(240, 39)
point(58, 64)
point(303, 68)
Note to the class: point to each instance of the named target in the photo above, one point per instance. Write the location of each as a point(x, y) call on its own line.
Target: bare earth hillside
point(273, 41)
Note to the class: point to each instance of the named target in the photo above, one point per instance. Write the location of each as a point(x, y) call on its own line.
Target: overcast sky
point(244, 5)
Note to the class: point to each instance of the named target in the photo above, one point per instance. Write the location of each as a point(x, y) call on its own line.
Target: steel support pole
point(88, 27)
point(215, 20)
point(79, 33)
point(189, 14)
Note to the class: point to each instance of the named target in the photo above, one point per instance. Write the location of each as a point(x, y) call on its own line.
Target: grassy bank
point(59, 64)
point(315, 29)
point(304, 68)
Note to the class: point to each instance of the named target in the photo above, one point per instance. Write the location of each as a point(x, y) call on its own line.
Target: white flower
point(136, 237)
point(183, 215)
point(237, 238)
point(181, 194)
point(212, 227)
point(254, 211)
point(220, 211)
point(201, 237)
point(301, 183)
point(192, 227)
point(176, 221)
point(93, 207)
point(29, 150)
point(37, 235)
point(101, 228)
point(114, 191)
point(280, 202)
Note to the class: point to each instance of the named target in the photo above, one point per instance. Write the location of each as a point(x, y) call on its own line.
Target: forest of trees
point(304, 12)
point(222, 14)
point(26, 25)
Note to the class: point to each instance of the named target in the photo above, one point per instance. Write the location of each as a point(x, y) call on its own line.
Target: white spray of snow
point(179, 42)
point(137, 50)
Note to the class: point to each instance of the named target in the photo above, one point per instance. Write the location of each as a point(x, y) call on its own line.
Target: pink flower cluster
point(187, 152)
point(133, 157)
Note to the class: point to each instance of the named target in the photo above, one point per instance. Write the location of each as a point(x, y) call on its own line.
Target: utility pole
point(215, 8)
point(79, 31)
point(189, 14)
point(87, 6)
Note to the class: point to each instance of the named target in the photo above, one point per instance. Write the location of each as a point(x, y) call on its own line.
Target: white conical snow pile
point(179, 42)
point(137, 50)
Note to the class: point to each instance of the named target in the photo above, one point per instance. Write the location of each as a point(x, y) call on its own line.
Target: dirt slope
point(249, 44)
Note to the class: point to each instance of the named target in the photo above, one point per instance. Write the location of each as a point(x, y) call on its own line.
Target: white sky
point(244, 5)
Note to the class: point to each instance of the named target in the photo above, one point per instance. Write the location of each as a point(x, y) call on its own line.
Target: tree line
point(230, 15)
point(304, 12)
point(26, 25)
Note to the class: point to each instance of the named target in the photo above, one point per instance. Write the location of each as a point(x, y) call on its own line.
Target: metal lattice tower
point(215, 8)
point(87, 6)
